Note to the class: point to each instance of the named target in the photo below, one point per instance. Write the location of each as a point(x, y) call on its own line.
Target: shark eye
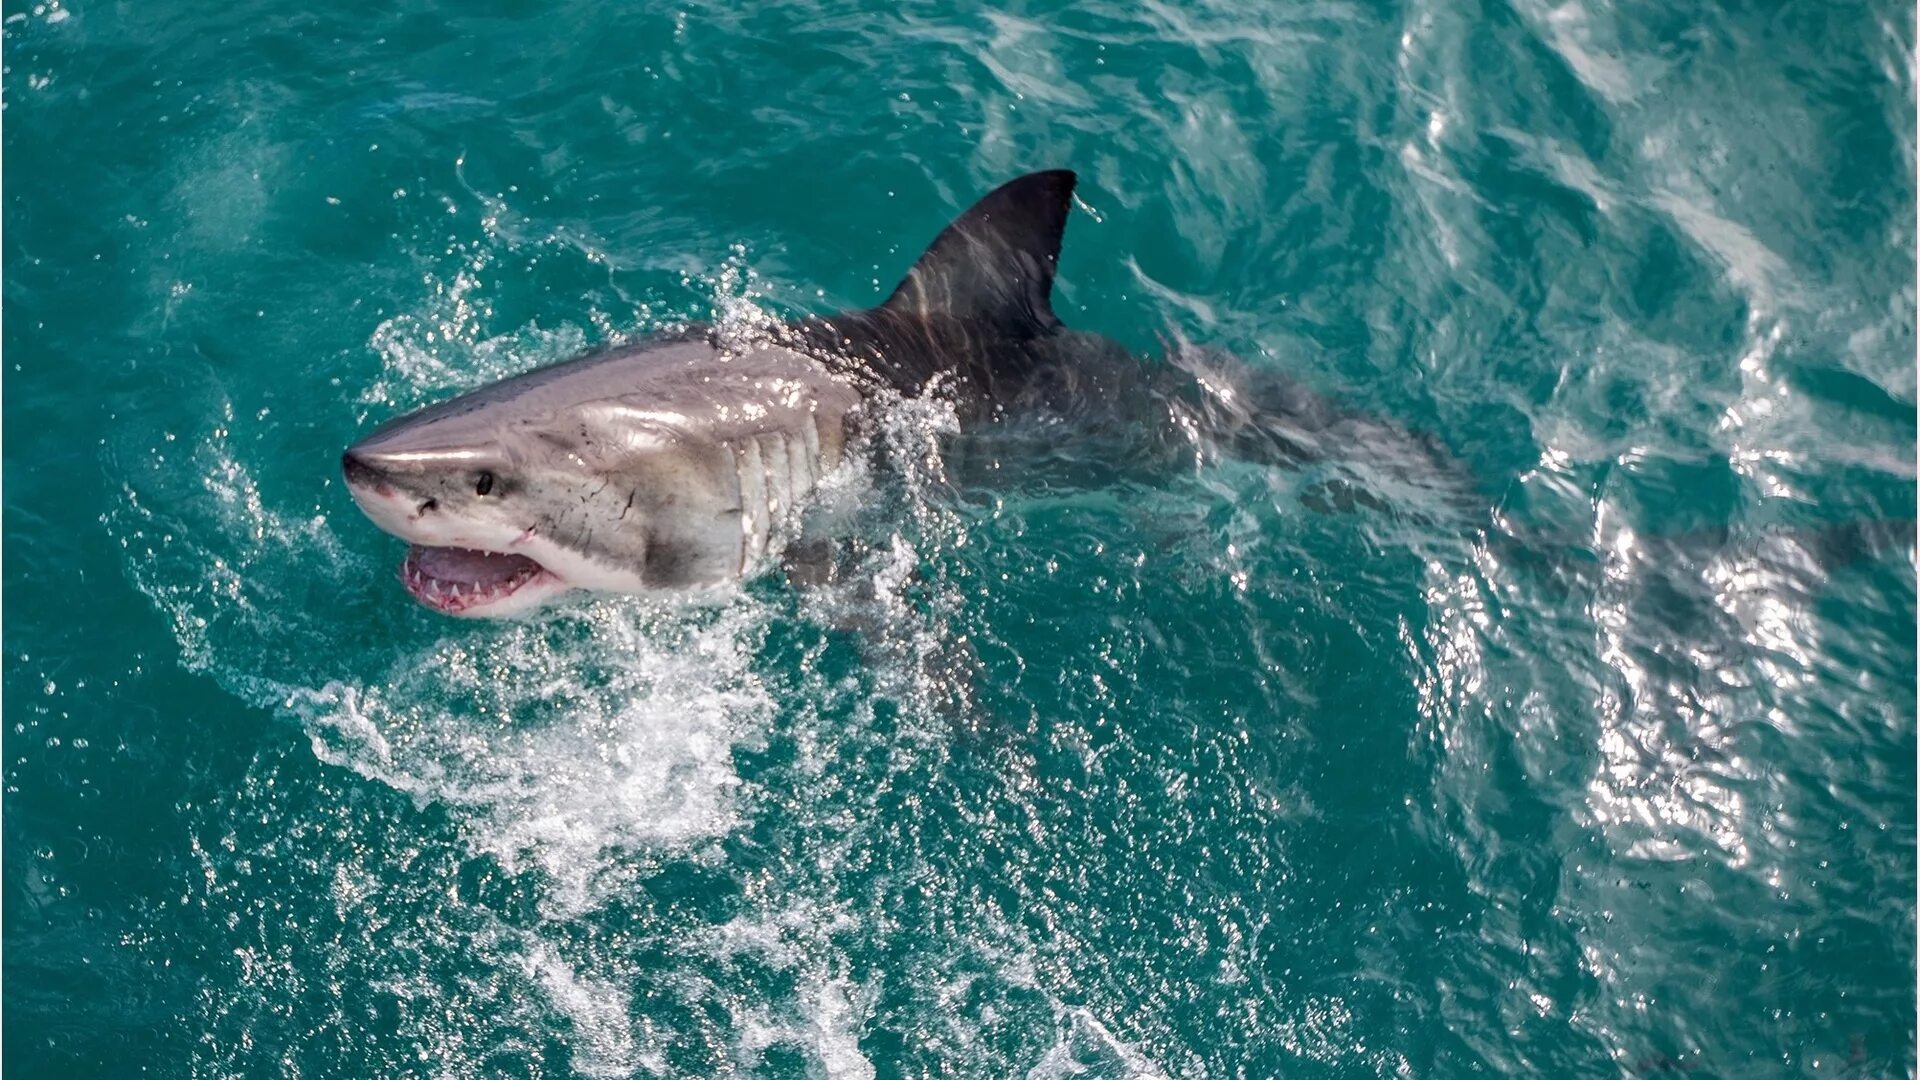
point(483, 485)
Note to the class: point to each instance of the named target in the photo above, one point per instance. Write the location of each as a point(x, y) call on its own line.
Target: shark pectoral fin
point(993, 267)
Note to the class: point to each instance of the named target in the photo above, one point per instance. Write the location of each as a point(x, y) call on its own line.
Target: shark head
point(496, 511)
point(466, 557)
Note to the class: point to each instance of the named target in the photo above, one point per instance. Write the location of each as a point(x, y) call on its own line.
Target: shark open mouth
point(454, 580)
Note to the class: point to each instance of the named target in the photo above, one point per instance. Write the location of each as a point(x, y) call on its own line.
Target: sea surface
point(1607, 770)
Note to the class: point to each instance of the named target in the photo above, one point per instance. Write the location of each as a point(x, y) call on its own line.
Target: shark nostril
point(430, 504)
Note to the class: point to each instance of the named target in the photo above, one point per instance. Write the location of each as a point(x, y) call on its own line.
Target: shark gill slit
point(773, 460)
point(753, 500)
point(811, 431)
point(799, 469)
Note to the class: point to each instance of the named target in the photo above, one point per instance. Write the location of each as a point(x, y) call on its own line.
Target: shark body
point(673, 465)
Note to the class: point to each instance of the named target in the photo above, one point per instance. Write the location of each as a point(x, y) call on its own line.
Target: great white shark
point(671, 465)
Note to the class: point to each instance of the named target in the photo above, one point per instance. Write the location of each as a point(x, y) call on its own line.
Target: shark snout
point(360, 471)
point(381, 491)
point(388, 495)
point(370, 473)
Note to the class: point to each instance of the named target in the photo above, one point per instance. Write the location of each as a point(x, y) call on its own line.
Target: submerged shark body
point(680, 464)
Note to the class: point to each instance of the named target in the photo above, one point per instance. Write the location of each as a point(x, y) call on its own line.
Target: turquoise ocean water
point(1611, 775)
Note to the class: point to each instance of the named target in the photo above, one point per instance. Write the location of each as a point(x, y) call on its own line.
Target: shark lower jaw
point(477, 584)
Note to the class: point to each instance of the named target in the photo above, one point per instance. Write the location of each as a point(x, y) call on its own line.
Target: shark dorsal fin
point(993, 267)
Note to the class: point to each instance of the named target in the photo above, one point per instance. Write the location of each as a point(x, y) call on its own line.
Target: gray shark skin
point(677, 465)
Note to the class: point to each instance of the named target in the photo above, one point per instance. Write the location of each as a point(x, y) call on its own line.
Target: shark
point(679, 464)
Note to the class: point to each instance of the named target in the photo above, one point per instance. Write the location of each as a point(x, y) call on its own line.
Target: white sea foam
point(600, 1012)
point(561, 742)
point(563, 752)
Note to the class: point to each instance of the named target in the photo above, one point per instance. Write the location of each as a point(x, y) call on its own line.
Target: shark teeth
point(507, 575)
